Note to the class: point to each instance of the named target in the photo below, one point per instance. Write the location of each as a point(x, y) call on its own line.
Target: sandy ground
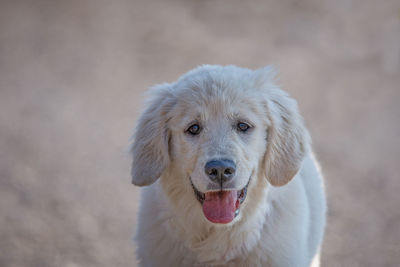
point(72, 79)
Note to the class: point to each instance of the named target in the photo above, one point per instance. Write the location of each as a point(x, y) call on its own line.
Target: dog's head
point(213, 132)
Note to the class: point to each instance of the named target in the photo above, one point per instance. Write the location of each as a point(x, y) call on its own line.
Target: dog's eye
point(194, 129)
point(242, 126)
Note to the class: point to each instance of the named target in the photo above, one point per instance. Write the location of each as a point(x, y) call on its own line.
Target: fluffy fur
point(281, 222)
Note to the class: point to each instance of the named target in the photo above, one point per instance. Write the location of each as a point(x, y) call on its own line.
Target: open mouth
point(221, 206)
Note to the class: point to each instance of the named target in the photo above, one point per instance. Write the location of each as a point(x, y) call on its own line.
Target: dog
point(229, 175)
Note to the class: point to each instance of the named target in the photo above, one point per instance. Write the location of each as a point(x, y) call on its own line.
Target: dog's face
point(217, 143)
point(213, 132)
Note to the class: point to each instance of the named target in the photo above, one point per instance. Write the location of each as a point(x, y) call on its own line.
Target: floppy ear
point(150, 145)
point(287, 139)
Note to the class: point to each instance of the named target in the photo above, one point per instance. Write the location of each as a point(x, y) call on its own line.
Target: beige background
point(72, 79)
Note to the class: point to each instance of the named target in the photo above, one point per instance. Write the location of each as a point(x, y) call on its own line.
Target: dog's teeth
point(236, 212)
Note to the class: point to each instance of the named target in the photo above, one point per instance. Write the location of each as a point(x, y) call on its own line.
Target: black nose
point(221, 170)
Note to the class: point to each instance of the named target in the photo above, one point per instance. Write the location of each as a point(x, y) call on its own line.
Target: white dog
point(238, 182)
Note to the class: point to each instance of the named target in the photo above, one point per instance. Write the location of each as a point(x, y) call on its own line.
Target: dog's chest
point(217, 247)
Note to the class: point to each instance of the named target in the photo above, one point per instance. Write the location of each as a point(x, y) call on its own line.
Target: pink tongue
point(220, 207)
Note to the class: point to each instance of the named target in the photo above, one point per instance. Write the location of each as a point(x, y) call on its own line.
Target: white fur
point(281, 222)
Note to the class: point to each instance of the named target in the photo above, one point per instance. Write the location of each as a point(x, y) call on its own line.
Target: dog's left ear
point(151, 137)
point(287, 138)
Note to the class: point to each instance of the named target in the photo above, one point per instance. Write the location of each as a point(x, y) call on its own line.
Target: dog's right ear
point(151, 136)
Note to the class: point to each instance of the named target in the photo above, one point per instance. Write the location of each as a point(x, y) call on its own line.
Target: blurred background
point(73, 76)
